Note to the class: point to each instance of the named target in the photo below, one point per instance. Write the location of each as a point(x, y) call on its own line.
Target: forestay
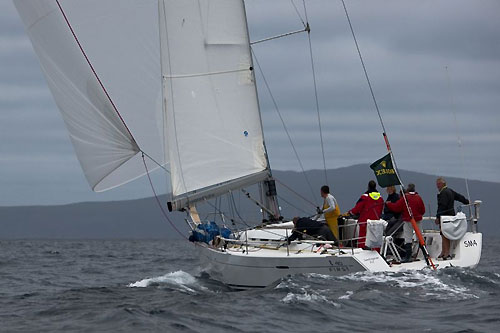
point(214, 131)
point(112, 56)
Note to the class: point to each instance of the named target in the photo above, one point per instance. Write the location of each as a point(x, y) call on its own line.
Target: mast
point(268, 193)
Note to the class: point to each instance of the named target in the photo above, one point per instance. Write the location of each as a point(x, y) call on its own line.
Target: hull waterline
point(245, 267)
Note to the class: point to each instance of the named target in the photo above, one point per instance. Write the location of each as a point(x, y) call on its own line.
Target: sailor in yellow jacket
point(331, 210)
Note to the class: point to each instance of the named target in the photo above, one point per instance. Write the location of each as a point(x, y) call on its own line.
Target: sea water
point(157, 285)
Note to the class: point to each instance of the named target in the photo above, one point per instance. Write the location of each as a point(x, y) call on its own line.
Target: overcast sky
point(406, 46)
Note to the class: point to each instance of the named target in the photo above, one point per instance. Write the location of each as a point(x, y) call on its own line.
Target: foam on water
point(178, 278)
point(39, 292)
point(414, 279)
point(303, 293)
point(307, 297)
point(347, 295)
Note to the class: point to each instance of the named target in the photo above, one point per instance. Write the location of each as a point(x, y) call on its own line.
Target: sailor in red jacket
point(368, 207)
point(418, 210)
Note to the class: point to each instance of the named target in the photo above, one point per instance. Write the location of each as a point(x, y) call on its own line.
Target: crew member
point(306, 226)
point(368, 207)
point(393, 219)
point(446, 206)
point(417, 208)
point(392, 196)
point(330, 210)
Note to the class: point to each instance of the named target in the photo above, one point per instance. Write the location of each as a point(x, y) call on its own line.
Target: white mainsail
point(214, 131)
point(119, 41)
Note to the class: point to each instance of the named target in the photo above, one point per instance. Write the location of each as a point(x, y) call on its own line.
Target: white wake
point(179, 279)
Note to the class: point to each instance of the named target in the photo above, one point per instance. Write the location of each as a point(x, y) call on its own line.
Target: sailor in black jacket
point(446, 206)
point(446, 200)
point(306, 226)
point(392, 197)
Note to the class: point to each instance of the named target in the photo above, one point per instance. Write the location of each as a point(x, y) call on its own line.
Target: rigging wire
point(306, 29)
point(155, 161)
point(386, 139)
point(219, 211)
point(427, 257)
point(295, 192)
point(459, 138)
point(292, 205)
point(241, 218)
point(159, 202)
point(282, 121)
point(315, 90)
point(218, 202)
point(237, 211)
point(364, 68)
point(298, 13)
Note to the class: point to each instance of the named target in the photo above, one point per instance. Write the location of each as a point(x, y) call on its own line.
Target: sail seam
point(95, 74)
point(180, 76)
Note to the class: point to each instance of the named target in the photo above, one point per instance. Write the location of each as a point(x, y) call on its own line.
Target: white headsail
point(101, 59)
point(214, 131)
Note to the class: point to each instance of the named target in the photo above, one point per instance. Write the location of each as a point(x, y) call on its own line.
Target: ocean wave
point(307, 297)
point(302, 293)
point(180, 279)
point(434, 284)
point(347, 295)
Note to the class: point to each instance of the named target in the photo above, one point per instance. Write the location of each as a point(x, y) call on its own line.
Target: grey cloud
point(405, 44)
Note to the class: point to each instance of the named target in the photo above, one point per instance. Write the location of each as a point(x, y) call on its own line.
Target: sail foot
point(180, 203)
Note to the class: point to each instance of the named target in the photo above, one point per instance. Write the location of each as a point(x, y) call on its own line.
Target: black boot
point(407, 257)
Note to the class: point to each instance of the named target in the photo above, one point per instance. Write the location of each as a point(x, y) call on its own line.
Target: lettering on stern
point(338, 266)
point(371, 260)
point(469, 243)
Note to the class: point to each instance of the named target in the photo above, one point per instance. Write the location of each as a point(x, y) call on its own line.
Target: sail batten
point(214, 134)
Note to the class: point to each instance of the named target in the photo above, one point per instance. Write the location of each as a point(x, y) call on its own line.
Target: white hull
point(245, 266)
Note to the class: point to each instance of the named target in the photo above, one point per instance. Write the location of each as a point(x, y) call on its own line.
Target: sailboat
point(169, 84)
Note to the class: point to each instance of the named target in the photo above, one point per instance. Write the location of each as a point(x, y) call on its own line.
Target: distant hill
point(143, 219)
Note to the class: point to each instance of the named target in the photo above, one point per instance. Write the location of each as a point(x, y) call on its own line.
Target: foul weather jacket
point(368, 207)
point(446, 199)
point(416, 205)
point(331, 211)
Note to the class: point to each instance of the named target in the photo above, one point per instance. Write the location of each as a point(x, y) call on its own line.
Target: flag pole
point(420, 237)
point(413, 222)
